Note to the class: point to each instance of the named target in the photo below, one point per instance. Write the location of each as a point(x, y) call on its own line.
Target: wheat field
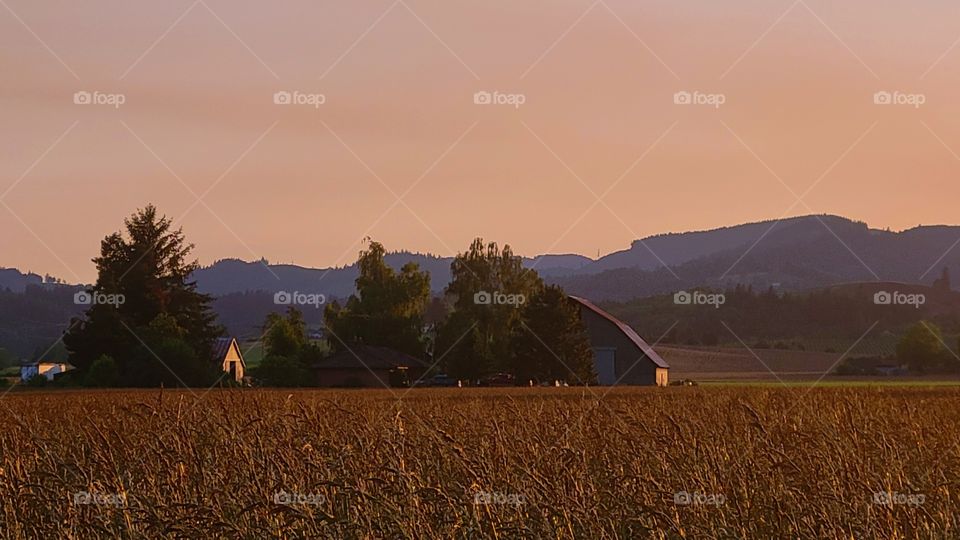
point(701, 462)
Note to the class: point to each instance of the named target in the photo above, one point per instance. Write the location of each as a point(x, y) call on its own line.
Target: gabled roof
point(36, 363)
point(221, 346)
point(625, 328)
point(368, 356)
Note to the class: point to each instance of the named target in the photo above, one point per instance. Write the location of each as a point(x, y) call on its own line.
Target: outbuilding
point(620, 355)
point(368, 366)
point(227, 355)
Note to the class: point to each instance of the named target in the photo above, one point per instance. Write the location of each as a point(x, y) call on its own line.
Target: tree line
point(149, 326)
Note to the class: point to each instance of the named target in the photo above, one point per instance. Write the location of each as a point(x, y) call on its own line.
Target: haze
point(303, 184)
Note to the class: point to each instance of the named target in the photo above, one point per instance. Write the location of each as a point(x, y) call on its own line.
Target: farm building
point(227, 355)
point(620, 355)
point(47, 369)
point(368, 366)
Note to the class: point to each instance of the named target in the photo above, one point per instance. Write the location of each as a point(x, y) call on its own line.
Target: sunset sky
point(199, 134)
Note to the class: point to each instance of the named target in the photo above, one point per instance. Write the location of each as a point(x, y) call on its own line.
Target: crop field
point(711, 363)
point(690, 462)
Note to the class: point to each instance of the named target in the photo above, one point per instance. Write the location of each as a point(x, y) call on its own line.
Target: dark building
point(368, 366)
point(620, 355)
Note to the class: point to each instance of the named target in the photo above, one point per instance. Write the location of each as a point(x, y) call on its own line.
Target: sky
point(557, 126)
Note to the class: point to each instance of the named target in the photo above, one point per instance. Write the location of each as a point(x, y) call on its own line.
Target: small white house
point(47, 369)
point(227, 355)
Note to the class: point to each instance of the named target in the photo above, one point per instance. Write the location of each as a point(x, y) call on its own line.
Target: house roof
point(368, 356)
point(625, 328)
point(220, 348)
point(38, 364)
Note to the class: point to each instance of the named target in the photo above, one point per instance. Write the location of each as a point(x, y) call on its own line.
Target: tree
point(288, 355)
point(282, 372)
point(551, 343)
point(144, 306)
point(921, 347)
point(285, 336)
point(488, 287)
point(6, 359)
point(103, 373)
point(388, 308)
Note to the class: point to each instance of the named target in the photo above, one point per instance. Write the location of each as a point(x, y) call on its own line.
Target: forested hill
point(798, 254)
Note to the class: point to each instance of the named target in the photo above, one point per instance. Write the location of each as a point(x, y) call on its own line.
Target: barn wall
point(604, 333)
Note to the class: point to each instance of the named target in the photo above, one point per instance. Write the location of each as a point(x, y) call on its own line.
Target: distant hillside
point(236, 276)
point(793, 254)
point(796, 254)
point(17, 281)
point(674, 249)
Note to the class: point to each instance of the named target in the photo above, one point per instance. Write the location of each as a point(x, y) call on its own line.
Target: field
point(691, 462)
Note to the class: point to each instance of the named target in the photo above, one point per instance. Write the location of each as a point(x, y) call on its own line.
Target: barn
point(368, 366)
point(227, 355)
point(620, 355)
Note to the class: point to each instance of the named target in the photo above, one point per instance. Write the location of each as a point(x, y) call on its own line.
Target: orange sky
point(302, 184)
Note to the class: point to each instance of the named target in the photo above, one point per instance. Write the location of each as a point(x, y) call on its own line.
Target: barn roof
point(368, 356)
point(625, 328)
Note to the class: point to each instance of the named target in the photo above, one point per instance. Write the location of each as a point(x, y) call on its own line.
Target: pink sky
point(305, 185)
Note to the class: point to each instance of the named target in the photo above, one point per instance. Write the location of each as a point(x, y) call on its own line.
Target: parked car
point(442, 380)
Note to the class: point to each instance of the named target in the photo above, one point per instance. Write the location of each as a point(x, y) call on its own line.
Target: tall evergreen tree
point(155, 307)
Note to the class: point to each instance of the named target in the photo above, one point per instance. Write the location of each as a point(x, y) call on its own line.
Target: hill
point(797, 254)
